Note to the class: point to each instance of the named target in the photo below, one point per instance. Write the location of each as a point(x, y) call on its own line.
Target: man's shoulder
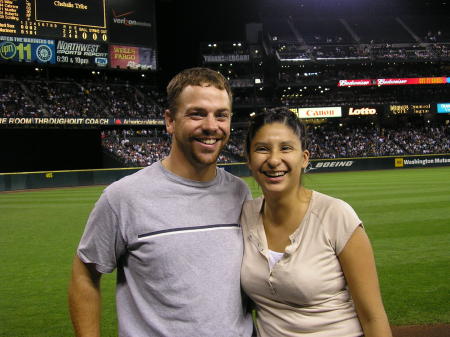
point(129, 184)
point(232, 182)
point(228, 178)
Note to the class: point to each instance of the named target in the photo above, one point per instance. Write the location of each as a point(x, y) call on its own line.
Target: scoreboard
point(84, 20)
point(81, 32)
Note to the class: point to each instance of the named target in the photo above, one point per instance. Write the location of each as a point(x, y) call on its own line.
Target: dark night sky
point(182, 25)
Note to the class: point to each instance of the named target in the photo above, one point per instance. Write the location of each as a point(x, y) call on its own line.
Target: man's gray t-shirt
point(177, 246)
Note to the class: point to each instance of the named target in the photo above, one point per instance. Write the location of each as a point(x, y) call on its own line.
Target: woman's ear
point(305, 155)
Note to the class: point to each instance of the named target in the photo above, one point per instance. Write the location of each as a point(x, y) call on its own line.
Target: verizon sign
point(354, 83)
point(326, 112)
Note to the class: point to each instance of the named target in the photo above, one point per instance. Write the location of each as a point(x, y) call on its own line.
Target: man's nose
point(210, 123)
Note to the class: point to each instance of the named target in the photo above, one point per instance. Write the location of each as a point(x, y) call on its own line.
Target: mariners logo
point(44, 53)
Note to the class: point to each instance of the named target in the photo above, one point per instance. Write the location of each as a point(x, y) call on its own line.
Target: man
point(171, 230)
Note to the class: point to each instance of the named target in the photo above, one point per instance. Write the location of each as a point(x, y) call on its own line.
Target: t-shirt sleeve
point(343, 221)
point(102, 242)
point(248, 194)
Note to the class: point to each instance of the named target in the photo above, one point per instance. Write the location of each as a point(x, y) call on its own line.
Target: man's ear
point(169, 120)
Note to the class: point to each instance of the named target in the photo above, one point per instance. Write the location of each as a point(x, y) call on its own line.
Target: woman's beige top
point(305, 293)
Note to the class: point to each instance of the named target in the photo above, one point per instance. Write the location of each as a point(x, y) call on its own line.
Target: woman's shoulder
point(253, 206)
point(324, 202)
point(251, 211)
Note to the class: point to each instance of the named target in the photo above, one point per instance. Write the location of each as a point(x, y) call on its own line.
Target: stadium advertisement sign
point(226, 58)
point(376, 163)
point(27, 49)
point(397, 109)
point(77, 121)
point(80, 53)
point(443, 108)
point(132, 22)
point(394, 81)
point(409, 81)
point(363, 111)
point(325, 112)
point(355, 83)
point(125, 57)
point(422, 161)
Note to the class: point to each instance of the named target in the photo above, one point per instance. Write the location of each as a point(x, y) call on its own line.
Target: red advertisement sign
point(132, 57)
point(394, 81)
point(353, 83)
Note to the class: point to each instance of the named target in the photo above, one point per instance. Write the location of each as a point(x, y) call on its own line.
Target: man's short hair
point(194, 76)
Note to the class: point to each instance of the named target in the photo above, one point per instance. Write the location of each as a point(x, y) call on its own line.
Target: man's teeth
point(208, 141)
point(275, 174)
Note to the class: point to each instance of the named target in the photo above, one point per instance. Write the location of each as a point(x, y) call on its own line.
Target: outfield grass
point(406, 214)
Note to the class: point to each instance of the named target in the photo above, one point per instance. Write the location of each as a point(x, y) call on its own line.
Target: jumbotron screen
point(98, 33)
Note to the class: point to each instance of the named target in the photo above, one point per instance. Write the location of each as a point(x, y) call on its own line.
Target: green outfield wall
point(53, 179)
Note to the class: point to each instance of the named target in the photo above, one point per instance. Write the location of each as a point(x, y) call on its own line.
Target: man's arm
point(85, 299)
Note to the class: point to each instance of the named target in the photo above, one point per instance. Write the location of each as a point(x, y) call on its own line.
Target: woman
point(308, 263)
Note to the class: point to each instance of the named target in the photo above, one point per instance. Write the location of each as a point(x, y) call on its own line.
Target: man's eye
point(222, 116)
point(196, 114)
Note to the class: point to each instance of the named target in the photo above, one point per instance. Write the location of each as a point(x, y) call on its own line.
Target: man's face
point(200, 126)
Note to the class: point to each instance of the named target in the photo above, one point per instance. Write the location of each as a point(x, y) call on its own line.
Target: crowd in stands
point(316, 97)
point(36, 96)
point(138, 148)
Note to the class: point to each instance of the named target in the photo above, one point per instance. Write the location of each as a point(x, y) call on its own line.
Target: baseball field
point(405, 212)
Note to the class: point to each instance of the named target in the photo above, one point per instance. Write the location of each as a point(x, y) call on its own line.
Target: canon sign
point(362, 111)
point(319, 112)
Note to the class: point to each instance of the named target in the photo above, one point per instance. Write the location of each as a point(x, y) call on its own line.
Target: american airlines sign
point(326, 112)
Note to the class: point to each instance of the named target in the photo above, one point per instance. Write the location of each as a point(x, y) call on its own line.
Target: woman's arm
point(359, 268)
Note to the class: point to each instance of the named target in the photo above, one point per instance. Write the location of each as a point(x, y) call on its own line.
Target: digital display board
point(19, 49)
point(79, 20)
point(78, 32)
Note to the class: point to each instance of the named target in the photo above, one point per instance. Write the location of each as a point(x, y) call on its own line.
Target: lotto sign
point(27, 50)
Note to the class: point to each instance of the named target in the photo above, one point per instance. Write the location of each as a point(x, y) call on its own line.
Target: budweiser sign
point(392, 81)
point(354, 83)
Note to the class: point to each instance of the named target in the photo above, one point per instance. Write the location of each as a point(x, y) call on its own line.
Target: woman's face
point(276, 158)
